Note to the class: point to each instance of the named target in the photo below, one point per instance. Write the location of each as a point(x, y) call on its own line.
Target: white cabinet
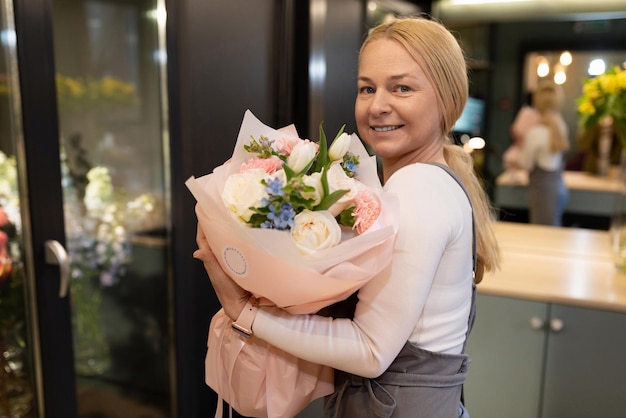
point(542, 360)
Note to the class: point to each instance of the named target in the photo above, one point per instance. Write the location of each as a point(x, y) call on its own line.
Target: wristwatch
point(243, 324)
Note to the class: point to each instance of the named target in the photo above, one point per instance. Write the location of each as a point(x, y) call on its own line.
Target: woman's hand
point(232, 297)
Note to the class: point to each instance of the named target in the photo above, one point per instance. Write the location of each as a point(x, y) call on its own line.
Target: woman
point(526, 117)
point(542, 153)
point(413, 319)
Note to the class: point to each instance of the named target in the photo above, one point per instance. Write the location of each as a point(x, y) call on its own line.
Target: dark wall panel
point(220, 58)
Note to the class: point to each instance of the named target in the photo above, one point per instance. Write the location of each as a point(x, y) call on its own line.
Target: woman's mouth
point(386, 128)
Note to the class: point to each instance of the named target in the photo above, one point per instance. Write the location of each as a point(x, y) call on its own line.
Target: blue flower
point(275, 187)
point(350, 166)
point(280, 217)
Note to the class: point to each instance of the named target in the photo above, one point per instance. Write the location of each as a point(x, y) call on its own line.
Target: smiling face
point(396, 110)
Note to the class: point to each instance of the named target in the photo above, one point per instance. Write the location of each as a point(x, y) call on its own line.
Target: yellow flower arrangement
point(76, 93)
point(604, 96)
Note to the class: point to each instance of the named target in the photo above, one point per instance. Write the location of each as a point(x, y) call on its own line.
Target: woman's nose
point(380, 103)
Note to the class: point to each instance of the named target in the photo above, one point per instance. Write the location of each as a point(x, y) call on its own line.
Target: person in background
point(542, 155)
point(526, 117)
point(404, 343)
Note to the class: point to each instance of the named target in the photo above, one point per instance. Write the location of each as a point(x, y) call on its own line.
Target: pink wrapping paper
point(255, 378)
point(238, 363)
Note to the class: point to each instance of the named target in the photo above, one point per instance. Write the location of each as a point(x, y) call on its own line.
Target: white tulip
point(339, 180)
point(302, 154)
point(314, 180)
point(339, 147)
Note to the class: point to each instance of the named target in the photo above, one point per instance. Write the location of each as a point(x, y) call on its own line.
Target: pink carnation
point(4, 239)
point(270, 165)
point(3, 217)
point(5, 261)
point(285, 145)
point(366, 211)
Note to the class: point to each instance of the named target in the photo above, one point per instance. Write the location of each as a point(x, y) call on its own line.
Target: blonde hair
point(443, 61)
point(548, 99)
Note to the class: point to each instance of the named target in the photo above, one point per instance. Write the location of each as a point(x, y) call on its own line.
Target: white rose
point(339, 147)
point(314, 180)
point(339, 180)
point(244, 190)
point(301, 155)
point(314, 231)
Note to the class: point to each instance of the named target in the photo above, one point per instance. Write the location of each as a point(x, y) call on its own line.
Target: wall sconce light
point(559, 75)
point(543, 67)
point(596, 67)
point(565, 58)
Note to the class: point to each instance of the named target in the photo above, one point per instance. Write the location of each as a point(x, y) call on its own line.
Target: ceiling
point(458, 11)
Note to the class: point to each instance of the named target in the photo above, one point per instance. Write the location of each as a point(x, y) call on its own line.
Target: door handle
point(537, 323)
point(57, 256)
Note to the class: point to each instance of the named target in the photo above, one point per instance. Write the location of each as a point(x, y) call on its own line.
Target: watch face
point(241, 330)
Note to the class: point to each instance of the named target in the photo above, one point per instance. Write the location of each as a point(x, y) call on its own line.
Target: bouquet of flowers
point(300, 225)
point(258, 212)
point(604, 96)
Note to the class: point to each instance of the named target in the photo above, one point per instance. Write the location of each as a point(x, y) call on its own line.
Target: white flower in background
point(314, 231)
point(9, 194)
point(99, 191)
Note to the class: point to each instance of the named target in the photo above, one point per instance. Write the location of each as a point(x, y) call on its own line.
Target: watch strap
point(243, 324)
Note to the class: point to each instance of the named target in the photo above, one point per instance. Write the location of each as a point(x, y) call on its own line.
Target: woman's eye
point(403, 89)
point(366, 90)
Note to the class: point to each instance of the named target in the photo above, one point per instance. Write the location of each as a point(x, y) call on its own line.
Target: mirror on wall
point(569, 68)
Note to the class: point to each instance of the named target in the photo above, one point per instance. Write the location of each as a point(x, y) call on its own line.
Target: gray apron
point(547, 196)
point(418, 384)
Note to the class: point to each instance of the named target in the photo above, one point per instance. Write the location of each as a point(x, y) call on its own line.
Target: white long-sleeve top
point(423, 297)
point(536, 150)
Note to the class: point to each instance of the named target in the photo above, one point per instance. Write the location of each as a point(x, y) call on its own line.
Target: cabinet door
point(507, 358)
point(585, 371)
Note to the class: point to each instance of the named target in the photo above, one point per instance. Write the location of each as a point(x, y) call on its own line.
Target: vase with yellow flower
point(602, 107)
point(602, 110)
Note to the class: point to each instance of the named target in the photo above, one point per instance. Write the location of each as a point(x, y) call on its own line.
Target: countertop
point(574, 180)
point(588, 194)
point(569, 266)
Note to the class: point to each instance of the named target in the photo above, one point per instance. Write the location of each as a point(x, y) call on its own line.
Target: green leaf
point(289, 172)
point(324, 179)
point(298, 203)
point(346, 217)
point(330, 199)
point(257, 219)
point(340, 132)
point(322, 155)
